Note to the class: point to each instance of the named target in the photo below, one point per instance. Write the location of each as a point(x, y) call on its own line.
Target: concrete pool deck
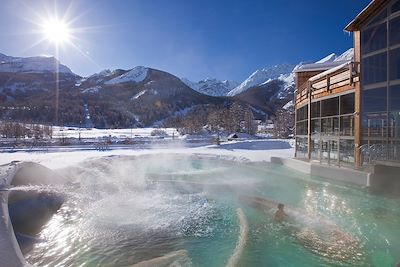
point(340, 174)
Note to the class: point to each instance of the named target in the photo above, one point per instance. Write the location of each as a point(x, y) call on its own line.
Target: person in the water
point(280, 215)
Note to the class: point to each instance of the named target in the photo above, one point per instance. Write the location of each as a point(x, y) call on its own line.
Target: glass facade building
point(350, 113)
point(380, 84)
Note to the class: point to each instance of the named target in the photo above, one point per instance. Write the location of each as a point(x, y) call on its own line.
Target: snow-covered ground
point(247, 151)
point(73, 132)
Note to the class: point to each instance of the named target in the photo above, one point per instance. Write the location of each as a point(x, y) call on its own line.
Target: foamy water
point(188, 211)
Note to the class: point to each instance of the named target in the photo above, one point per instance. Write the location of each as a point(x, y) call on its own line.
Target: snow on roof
point(329, 71)
point(319, 66)
point(327, 62)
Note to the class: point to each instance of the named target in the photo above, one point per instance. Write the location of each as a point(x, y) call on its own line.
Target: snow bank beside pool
point(73, 132)
point(256, 145)
point(246, 151)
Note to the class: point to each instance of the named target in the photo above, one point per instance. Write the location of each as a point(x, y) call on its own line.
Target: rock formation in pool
point(30, 203)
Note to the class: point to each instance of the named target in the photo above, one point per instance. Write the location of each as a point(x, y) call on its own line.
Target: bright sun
point(56, 31)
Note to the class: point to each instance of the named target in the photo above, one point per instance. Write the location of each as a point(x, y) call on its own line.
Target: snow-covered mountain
point(345, 56)
point(100, 76)
point(135, 75)
point(278, 91)
point(262, 76)
point(146, 94)
point(328, 58)
point(39, 64)
point(285, 74)
point(212, 87)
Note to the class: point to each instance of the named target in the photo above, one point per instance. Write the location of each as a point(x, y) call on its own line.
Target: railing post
point(309, 121)
point(328, 82)
point(351, 73)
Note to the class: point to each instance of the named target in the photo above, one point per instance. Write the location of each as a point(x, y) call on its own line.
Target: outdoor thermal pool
point(175, 210)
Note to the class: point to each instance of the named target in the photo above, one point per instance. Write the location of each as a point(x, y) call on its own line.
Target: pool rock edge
point(10, 252)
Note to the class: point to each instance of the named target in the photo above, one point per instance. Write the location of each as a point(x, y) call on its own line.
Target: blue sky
point(224, 39)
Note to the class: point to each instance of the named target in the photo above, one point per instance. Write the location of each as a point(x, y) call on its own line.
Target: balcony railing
point(380, 152)
point(338, 79)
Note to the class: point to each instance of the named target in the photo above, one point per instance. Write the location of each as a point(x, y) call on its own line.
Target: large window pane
point(330, 107)
point(374, 69)
point(374, 100)
point(315, 126)
point(302, 128)
point(394, 113)
point(395, 7)
point(379, 17)
point(394, 97)
point(325, 151)
point(301, 147)
point(347, 125)
point(394, 29)
point(374, 120)
point(394, 64)
point(315, 147)
point(334, 149)
point(347, 104)
point(347, 151)
point(374, 38)
point(375, 124)
point(315, 112)
point(302, 113)
point(327, 126)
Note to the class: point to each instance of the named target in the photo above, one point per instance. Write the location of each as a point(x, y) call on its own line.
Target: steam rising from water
point(120, 201)
point(126, 210)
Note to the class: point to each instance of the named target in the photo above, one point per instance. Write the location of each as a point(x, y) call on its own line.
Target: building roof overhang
point(374, 7)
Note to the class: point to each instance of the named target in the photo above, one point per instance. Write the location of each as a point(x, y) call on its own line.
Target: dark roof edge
point(370, 10)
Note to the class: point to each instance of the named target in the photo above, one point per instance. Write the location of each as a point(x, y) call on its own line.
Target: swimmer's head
point(281, 206)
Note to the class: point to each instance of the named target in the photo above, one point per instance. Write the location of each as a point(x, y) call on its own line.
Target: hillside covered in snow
point(40, 64)
point(262, 76)
point(211, 87)
point(140, 96)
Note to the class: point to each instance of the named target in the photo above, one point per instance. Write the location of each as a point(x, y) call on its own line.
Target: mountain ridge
point(139, 96)
point(36, 64)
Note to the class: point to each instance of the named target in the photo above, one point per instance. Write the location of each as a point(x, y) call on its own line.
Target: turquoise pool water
point(124, 211)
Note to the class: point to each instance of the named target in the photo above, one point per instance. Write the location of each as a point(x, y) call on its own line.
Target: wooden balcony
point(336, 80)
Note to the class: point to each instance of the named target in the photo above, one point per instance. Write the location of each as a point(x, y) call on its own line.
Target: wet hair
point(280, 206)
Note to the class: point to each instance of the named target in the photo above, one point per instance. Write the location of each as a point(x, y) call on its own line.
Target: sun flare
point(56, 31)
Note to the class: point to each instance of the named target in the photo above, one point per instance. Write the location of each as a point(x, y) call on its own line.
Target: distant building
point(349, 111)
point(266, 127)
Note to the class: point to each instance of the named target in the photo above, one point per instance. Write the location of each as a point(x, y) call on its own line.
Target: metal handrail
point(378, 152)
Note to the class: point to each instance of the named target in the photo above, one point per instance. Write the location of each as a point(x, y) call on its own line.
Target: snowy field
point(73, 132)
point(246, 150)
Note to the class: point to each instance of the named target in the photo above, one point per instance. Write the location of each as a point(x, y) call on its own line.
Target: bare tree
point(249, 125)
point(284, 123)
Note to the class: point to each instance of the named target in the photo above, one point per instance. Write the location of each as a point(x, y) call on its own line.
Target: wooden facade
point(336, 82)
point(316, 87)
